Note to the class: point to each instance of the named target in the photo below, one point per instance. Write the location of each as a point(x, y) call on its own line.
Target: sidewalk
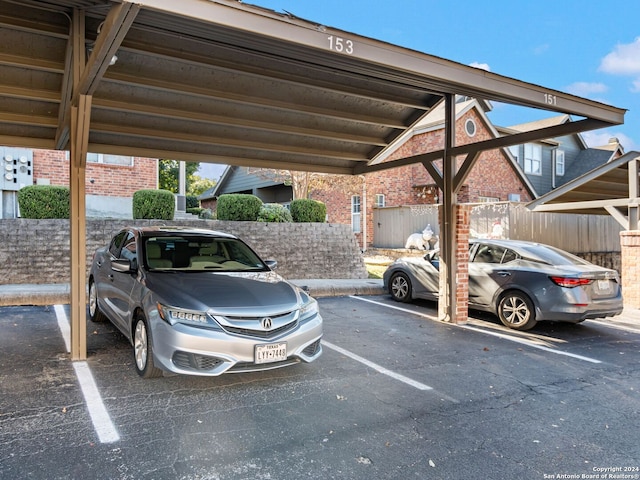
point(59, 294)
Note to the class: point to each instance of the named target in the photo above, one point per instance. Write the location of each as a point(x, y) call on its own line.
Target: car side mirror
point(272, 264)
point(122, 265)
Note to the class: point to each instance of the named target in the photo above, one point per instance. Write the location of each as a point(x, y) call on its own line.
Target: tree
point(199, 185)
point(169, 171)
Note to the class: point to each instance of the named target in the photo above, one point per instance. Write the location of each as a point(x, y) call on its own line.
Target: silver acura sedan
point(200, 302)
point(520, 282)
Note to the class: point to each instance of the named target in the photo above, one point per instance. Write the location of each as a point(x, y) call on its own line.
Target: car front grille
point(194, 361)
point(248, 332)
point(252, 326)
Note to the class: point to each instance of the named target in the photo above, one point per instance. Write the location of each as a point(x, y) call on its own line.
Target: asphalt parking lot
point(396, 394)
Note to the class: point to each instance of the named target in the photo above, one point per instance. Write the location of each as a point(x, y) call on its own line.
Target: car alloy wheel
point(515, 310)
point(143, 350)
point(400, 287)
point(95, 315)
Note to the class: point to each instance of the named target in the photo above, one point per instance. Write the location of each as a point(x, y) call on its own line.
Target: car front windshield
point(194, 253)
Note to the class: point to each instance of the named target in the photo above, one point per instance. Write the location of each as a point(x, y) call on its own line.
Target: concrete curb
point(59, 293)
point(35, 294)
point(340, 287)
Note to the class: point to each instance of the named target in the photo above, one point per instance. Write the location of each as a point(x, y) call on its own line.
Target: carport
point(224, 82)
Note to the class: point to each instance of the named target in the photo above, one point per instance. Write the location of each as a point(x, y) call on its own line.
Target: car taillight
point(570, 282)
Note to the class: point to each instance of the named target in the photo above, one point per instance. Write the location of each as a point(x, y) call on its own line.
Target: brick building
point(496, 176)
point(111, 180)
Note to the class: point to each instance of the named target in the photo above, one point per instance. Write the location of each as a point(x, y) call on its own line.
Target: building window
point(355, 213)
point(560, 162)
point(379, 200)
point(110, 159)
point(533, 159)
point(470, 127)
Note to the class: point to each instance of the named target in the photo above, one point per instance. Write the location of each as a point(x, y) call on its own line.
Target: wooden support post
point(80, 115)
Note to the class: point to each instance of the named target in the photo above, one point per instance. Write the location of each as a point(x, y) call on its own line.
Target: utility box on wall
point(17, 168)
point(17, 172)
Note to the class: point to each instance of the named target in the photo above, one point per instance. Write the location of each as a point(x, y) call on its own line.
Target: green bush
point(195, 211)
point(154, 204)
point(44, 201)
point(239, 207)
point(274, 212)
point(192, 202)
point(304, 210)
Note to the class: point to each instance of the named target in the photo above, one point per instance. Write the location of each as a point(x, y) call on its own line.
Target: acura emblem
point(266, 323)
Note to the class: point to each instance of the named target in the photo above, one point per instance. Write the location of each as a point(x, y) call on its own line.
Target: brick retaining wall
point(37, 251)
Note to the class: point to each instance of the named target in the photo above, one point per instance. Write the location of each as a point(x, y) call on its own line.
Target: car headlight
point(309, 309)
point(174, 315)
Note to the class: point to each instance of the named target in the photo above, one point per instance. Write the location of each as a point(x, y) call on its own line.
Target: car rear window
point(552, 255)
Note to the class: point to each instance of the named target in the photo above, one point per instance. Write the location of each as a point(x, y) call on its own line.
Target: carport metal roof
point(224, 82)
point(610, 189)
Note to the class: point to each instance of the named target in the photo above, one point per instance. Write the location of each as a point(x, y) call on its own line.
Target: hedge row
point(49, 201)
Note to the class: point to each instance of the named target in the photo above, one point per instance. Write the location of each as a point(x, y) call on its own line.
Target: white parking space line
point(407, 310)
point(618, 326)
point(487, 332)
point(63, 325)
point(376, 367)
point(102, 424)
point(530, 344)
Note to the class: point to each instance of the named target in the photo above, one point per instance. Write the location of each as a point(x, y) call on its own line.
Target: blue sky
point(590, 48)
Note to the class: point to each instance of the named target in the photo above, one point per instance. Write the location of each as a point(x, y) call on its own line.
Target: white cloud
point(482, 66)
point(584, 89)
point(635, 88)
point(599, 138)
point(623, 60)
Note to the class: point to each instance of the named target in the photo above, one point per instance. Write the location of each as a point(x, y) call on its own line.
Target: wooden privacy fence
point(579, 234)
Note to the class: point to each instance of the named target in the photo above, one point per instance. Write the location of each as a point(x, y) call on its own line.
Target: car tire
point(516, 311)
point(400, 287)
point(95, 314)
point(143, 349)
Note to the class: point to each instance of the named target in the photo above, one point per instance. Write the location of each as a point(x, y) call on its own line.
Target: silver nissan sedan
point(200, 302)
point(520, 282)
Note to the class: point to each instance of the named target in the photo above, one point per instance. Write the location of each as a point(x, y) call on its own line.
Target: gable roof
point(585, 161)
point(435, 121)
point(544, 123)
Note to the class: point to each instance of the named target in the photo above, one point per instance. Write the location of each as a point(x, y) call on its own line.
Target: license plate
point(271, 352)
point(604, 286)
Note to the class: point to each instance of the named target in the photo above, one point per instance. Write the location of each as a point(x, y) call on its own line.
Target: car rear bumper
point(578, 313)
point(189, 350)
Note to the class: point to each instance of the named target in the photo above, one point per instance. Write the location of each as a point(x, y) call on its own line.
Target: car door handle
point(503, 274)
